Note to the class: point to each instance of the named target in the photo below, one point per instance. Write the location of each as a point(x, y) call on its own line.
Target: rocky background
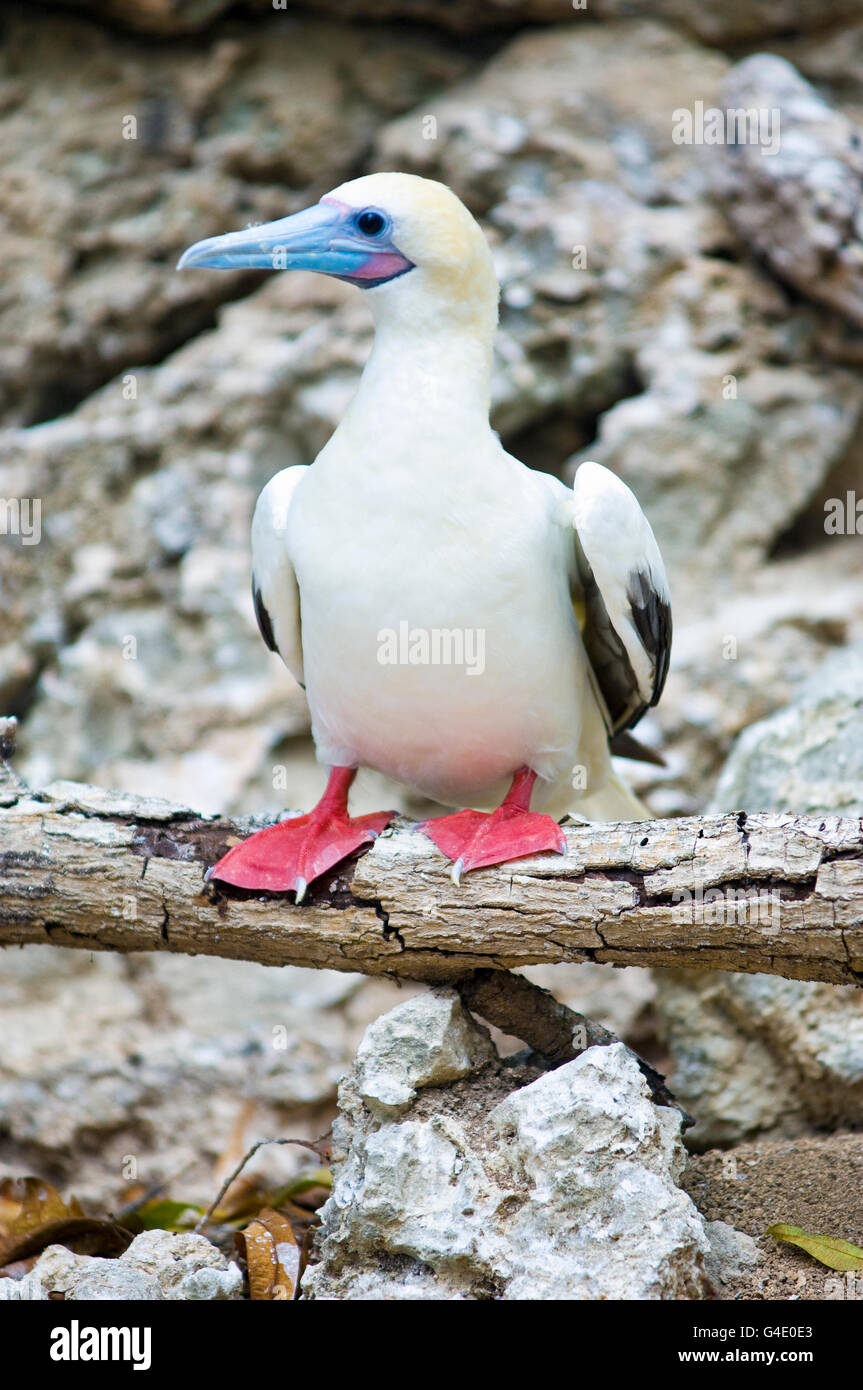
point(689, 314)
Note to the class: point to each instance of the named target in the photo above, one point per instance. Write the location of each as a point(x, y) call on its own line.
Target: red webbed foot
point(291, 855)
point(477, 839)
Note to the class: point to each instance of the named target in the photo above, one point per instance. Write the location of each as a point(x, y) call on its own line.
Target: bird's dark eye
point(371, 223)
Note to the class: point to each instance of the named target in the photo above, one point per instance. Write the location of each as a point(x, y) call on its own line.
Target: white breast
point(439, 641)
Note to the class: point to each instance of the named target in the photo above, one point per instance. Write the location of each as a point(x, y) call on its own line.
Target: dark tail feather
point(623, 745)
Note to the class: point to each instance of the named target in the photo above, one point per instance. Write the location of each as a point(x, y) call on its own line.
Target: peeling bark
point(102, 870)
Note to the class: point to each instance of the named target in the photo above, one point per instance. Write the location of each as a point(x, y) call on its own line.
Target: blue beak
point(323, 238)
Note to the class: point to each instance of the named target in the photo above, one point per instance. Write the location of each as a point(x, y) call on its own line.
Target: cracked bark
point(101, 870)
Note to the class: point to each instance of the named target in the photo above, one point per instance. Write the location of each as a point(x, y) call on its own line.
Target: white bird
point(461, 623)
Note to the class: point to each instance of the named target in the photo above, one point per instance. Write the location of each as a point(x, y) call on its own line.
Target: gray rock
point(798, 206)
point(507, 1184)
point(832, 59)
point(146, 1069)
point(424, 1042)
point(157, 1266)
point(757, 1054)
point(161, 1057)
point(807, 758)
point(96, 212)
point(732, 1254)
point(742, 659)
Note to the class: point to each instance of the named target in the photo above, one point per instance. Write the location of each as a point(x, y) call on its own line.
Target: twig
point(311, 1144)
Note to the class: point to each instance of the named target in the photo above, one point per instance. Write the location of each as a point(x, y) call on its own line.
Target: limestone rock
point(831, 59)
point(809, 757)
point(507, 1184)
point(424, 1042)
point(160, 1058)
point(738, 662)
point(157, 1266)
point(732, 1253)
point(96, 210)
point(798, 206)
point(148, 1068)
point(757, 1054)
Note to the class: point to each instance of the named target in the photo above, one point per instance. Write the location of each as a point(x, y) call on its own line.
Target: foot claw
point(293, 853)
point(473, 840)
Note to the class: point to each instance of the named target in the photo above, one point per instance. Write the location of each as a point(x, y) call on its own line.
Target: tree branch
point(518, 1006)
point(102, 870)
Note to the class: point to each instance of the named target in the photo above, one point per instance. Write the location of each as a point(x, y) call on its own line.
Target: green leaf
point(168, 1216)
point(320, 1177)
point(829, 1250)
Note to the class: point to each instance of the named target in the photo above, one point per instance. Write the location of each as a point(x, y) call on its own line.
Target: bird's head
point(407, 241)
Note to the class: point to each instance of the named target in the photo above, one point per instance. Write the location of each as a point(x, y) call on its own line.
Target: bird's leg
point(475, 839)
point(292, 854)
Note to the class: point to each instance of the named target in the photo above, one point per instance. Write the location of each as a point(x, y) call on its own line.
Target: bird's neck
point(437, 383)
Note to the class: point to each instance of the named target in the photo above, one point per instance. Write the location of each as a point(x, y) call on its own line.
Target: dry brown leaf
point(272, 1256)
point(28, 1203)
point(33, 1216)
point(85, 1235)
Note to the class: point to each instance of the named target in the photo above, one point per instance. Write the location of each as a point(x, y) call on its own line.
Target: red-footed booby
point(466, 625)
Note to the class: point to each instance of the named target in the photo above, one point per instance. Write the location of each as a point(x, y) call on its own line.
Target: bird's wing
point(274, 584)
point(621, 587)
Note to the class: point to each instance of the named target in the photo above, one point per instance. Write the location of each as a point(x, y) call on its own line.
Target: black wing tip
point(651, 616)
point(265, 624)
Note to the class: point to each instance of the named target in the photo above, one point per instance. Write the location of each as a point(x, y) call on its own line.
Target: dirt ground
point(813, 1182)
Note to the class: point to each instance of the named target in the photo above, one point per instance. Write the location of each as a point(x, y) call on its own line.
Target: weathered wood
point(80, 866)
point(520, 1007)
